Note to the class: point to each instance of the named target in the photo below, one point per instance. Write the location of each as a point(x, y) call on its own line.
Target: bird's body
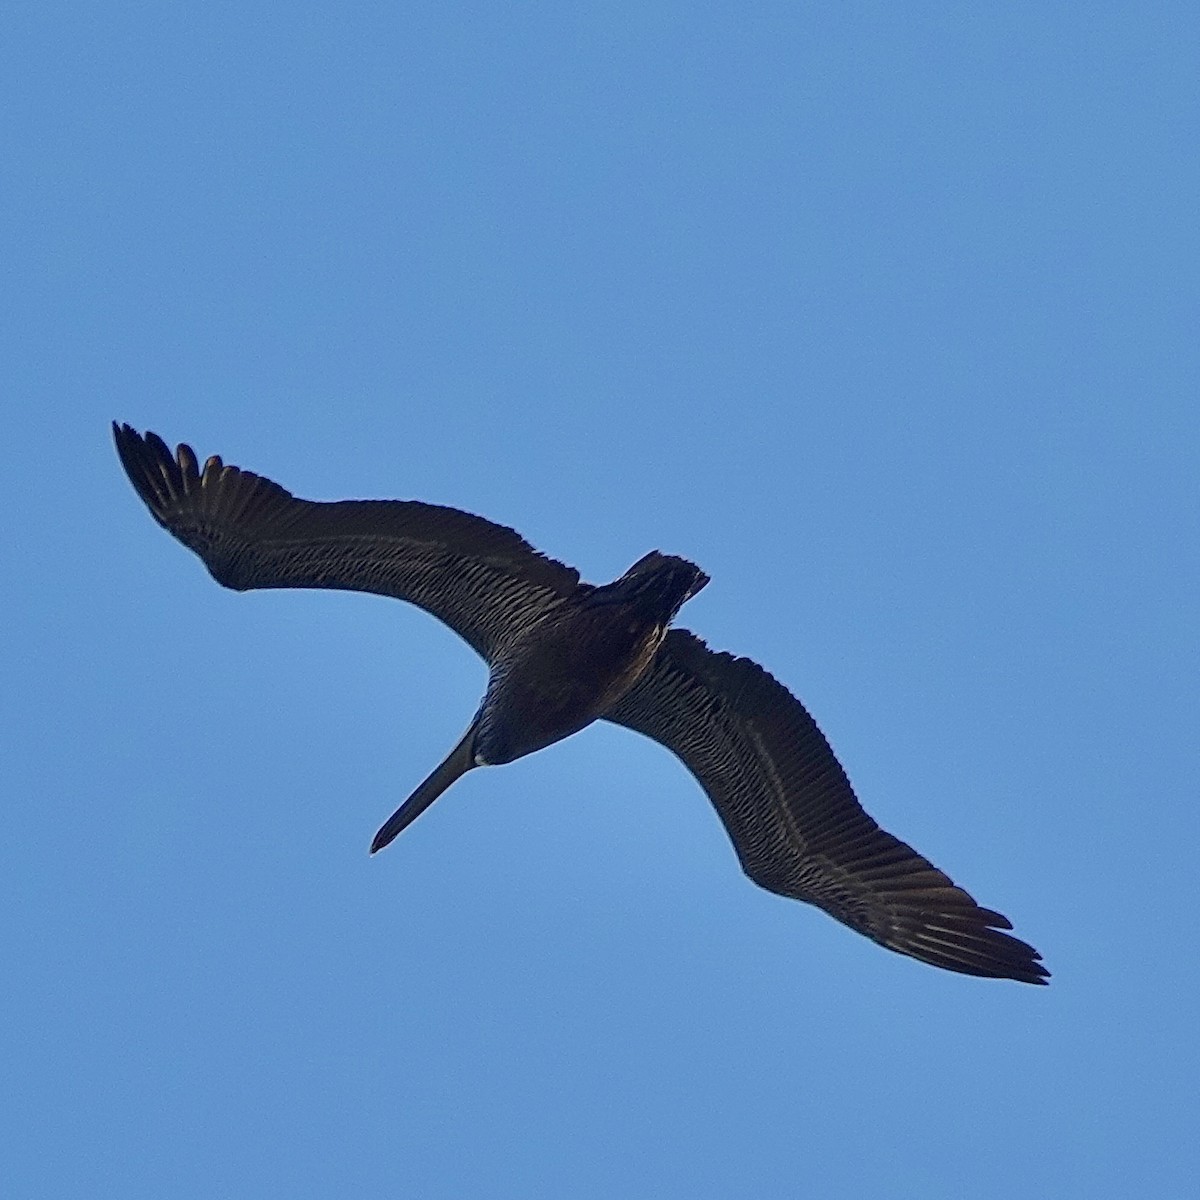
point(562, 654)
point(573, 664)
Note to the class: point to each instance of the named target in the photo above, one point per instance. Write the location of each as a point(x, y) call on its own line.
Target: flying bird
point(562, 654)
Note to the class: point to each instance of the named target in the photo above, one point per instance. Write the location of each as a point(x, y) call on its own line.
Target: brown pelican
point(563, 653)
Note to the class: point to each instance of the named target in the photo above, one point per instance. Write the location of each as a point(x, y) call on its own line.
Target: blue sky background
point(885, 314)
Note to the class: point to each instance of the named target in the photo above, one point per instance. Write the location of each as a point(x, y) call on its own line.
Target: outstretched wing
point(793, 817)
point(483, 580)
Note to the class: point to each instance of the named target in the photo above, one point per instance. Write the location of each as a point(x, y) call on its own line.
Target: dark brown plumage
point(563, 653)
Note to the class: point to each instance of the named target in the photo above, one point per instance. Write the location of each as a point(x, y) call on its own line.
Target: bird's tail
point(659, 583)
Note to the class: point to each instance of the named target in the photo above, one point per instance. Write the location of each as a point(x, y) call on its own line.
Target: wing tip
point(152, 477)
point(168, 482)
point(975, 948)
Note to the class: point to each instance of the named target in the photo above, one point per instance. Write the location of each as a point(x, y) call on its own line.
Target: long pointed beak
point(456, 764)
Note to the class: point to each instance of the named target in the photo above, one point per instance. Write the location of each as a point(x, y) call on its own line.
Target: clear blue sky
point(887, 315)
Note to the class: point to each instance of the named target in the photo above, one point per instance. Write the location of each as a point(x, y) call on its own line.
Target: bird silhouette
point(562, 654)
